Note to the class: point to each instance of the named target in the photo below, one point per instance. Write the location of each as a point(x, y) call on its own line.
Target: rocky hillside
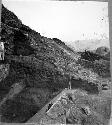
point(36, 69)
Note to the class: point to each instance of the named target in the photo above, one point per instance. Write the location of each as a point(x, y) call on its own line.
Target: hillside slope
point(36, 69)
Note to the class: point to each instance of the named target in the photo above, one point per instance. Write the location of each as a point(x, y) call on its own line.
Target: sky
point(65, 20)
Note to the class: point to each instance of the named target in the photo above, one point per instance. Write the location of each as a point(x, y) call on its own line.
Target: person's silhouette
point(1, 51)
point(69, 83)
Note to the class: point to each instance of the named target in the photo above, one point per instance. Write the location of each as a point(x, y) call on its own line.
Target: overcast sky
point(66, 20)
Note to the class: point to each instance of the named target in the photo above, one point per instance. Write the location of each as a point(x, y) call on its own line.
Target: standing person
point(70, 83)
point(1, 51)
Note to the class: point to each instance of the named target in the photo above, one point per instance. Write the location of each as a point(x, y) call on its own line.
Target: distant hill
point(103, 51)
point(81, 45)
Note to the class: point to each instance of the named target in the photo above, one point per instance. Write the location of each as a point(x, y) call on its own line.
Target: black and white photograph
point(55, 62)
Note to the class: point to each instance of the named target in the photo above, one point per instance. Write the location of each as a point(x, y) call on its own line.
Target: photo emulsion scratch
point(55, 62)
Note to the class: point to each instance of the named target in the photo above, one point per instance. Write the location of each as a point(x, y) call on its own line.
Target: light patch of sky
point(66, 20)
